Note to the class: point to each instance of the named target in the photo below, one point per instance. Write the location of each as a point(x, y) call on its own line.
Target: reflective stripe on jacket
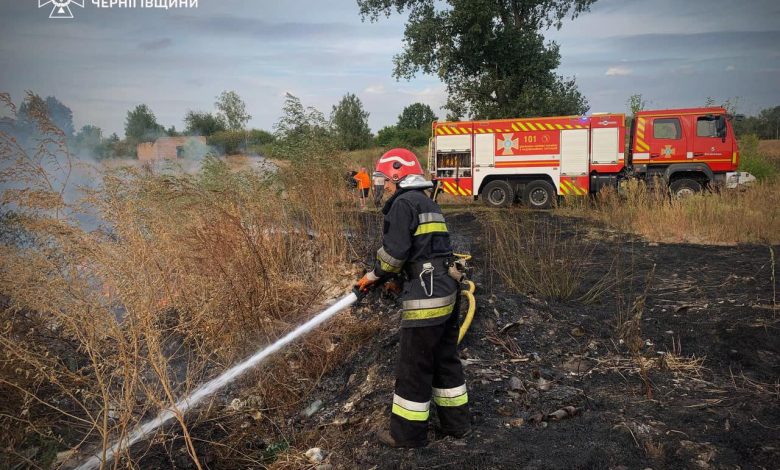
point(415, 233)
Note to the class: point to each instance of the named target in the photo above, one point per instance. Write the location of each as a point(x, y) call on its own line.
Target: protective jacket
point(416, 243)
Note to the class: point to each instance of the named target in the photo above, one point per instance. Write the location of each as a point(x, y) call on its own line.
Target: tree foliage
point(232, 110)
point(350, 123)
point(299, 122)
point(202, 123)
point(416, 116)
point(89, 138)
point(235, 142)
point(302, 134)
point(765, 125)
point(490, 54)
point(59, 114)
point(636, 103)
point(141, 125)
point(393, 136)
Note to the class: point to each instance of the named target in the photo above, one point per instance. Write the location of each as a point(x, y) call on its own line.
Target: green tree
point(202, 123)
point(416, 116)
point(636, 103)
point(490, 54)
point(393, 136)
point(768, 125)
point(302, 135)
point(59, 115)
point(232, 110)
point(89, 139)
point(350, 123)
point(298, 122)
point(141, 125)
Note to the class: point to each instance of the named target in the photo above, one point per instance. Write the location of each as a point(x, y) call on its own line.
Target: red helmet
point(397, 164)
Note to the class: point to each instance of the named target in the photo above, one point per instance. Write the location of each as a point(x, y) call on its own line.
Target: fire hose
point(217, 383)
point(468, 293)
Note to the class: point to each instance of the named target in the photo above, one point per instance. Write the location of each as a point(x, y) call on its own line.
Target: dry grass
point(748, 216)
point(538, 257)
point(770, 148)
point(189, 274)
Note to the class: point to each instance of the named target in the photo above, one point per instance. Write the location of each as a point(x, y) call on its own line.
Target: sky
point(106, 61)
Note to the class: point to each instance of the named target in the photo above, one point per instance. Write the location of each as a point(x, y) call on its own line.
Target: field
point(623, 332)
point(770, 148)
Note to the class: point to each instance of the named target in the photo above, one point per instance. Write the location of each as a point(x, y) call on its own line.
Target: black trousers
point(428, 367)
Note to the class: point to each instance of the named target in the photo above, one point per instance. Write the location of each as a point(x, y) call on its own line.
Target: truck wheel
point(539, 195)
point(498, 194)
point(684, 187)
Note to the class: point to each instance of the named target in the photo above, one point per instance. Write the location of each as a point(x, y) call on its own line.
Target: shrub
point(228, 142)
point(236, 142)
point(392, 136)
point(752, 161)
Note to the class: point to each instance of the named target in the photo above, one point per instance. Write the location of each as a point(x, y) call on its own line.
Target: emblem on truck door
point(668, 151)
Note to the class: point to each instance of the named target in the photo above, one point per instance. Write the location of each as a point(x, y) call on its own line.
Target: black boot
point(387, 439)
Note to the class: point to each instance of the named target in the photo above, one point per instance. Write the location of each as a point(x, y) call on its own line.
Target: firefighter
point(378, 179)
point(416, 245)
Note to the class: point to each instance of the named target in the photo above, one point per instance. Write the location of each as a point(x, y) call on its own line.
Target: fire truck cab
point(689, 149)
point(538, 160)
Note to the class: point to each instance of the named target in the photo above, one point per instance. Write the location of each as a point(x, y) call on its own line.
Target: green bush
point(228, 142)
point(235, 142)
point(752, 161)
point(260, 137)
point(392, 136)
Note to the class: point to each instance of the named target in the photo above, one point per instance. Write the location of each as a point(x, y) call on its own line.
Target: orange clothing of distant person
point(364, 181)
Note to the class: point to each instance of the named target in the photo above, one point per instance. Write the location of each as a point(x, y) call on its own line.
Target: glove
point(393, 286)
point(365, 282)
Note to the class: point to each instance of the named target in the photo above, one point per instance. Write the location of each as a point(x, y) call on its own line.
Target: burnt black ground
point(712, 303)
point(708, 302)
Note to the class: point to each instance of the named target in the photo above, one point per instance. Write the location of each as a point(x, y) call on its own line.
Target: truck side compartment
point(539, 160)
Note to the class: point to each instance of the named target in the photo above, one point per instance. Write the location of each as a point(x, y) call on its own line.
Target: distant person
point(379, 187)
point(363, 185)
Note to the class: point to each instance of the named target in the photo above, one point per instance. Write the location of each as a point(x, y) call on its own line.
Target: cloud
point(619, 71)
point(156, 45)
point(730, 68)
point(375, 89)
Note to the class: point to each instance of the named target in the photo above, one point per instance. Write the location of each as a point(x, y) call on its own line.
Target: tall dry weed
point(539, 256)
point(187, 275)
point(751, 215)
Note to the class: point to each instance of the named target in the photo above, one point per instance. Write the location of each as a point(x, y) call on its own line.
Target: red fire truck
point(539, 160)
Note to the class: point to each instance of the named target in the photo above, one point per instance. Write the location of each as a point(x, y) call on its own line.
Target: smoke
point(36, 154)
